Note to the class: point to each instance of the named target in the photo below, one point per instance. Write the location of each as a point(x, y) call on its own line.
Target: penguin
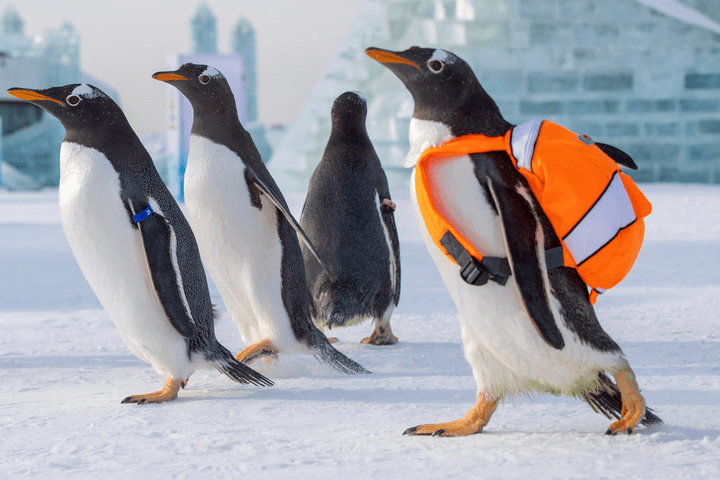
point(132, 242)
point(538, 331)
point(349, 217)
point(246, 233)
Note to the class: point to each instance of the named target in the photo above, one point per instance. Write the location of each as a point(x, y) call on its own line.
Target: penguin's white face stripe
point(211, 72)
point(173, 257)
point(440, 55)
point(85, 91)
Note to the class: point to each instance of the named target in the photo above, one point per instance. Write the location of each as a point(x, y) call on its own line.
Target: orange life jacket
point(596, 210)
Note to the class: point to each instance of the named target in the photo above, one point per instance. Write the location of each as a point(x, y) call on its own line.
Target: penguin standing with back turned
point(532, 328)
point(132, 242)
point(246, 234)
point(349, 217)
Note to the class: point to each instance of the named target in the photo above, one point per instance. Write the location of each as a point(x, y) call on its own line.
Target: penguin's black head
point(444, 89)
point(204, 86)
point(349, 108)
point(84, 110)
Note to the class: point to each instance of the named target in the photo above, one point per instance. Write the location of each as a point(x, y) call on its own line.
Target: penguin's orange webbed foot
point(473, 423)
point(382, 335)
point(458, 428)
point(168, 392)
point(262, 349)
point(632, 412)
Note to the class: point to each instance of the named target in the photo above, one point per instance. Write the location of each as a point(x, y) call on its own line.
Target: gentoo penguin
point(244, 228)
point(349, 217)
point(132, 242)
point(538, 331)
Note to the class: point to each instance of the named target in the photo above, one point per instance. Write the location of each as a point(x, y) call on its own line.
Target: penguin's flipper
point(291, 219)
point(387, 214)
point(620, 157)
point(159, 242)
point(517, 216)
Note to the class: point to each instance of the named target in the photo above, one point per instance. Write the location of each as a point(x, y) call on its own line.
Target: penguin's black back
point(341, 218)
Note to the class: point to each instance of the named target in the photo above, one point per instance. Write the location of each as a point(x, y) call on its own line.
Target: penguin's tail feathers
point(345, 307)
point(326, 353)
point(240, 372)
point(608, 401)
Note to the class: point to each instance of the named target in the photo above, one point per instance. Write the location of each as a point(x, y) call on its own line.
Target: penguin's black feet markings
point(168, 392)
point(262, 349)
point(381, 336)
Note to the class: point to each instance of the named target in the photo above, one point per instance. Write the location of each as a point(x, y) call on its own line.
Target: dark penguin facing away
point(246, 234)
point(132, 242)
point(537, 331)
point(349, 217)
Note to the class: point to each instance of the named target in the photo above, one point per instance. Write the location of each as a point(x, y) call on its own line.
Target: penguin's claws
point(629, 431)
point(410, 431)
point(438, 433)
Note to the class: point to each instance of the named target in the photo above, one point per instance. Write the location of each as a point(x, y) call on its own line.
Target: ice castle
point(30, 140)
point(643, 75)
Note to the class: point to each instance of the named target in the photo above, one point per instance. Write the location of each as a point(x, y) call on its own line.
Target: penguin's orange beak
point(383, 56)
point(168, 77)
point(31, 96)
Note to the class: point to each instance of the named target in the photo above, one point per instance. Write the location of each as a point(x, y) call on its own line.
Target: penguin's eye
point(204, 79)
point(72, 100)
point(435, 66)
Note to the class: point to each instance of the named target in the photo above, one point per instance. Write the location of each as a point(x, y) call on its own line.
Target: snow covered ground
point(64, 371)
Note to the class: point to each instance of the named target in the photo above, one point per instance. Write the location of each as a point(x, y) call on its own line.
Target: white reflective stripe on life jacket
point(612, 212)
point(522, 142)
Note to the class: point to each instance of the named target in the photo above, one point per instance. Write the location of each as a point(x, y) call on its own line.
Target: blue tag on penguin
point(143, 215)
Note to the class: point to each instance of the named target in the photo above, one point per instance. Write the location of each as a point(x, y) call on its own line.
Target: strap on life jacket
point(497, 269)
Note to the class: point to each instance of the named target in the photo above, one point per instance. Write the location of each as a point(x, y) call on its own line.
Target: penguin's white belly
point(110, 254)
point(238, 242)
point(501, 343)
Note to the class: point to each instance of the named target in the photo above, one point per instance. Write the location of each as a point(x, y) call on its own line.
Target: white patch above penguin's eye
point(204, 79)
point(73, 100)
point(85, 91)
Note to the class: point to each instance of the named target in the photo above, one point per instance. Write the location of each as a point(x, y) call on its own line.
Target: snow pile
point(65, 370)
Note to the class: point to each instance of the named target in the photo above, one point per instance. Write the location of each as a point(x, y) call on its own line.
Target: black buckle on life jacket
point(472, 270)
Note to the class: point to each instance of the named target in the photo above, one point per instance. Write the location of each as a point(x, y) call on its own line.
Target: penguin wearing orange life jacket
point(526, 318)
